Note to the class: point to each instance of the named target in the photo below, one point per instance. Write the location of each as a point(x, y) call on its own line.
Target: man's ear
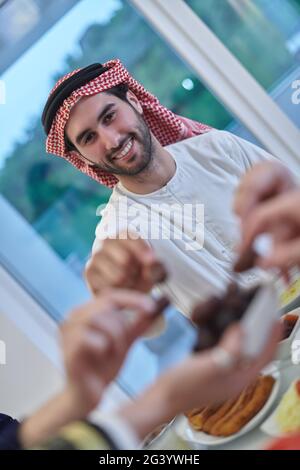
point(134, 101)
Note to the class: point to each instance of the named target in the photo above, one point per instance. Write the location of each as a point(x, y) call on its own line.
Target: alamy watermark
point(296, 93)
point(2, 92)
point(159, 221)
point(2, 353)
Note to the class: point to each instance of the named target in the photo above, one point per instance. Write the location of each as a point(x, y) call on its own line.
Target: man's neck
point(160, 171)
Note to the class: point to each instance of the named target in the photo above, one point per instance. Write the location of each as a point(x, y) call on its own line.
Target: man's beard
point(144, 139)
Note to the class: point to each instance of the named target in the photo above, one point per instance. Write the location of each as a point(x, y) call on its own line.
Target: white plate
point(194, 438)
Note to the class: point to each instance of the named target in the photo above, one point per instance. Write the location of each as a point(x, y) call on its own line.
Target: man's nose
point(110, 138)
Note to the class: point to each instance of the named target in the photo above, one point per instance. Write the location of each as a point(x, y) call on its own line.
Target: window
point(23, 22)
point(264, 36)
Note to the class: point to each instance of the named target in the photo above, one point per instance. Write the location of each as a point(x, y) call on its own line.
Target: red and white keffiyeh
point(167, 127)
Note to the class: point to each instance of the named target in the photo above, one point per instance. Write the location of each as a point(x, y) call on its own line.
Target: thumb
point(140, 322)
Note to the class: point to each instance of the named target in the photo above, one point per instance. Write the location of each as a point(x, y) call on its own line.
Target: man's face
point(111, 133)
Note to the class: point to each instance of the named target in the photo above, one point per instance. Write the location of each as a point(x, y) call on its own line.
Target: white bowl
point(285, 346)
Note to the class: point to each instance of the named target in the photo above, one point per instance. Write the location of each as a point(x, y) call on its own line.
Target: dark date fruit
point(289, 321)
point(245, 261)
point(214, 315)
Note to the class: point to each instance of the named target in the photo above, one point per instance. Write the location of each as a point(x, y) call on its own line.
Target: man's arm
point(95, 338)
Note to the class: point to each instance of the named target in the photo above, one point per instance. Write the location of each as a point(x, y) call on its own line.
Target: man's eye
point(89, 137)
point(108, 117)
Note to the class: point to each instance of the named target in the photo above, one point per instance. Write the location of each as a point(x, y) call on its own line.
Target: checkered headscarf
point(167, 127)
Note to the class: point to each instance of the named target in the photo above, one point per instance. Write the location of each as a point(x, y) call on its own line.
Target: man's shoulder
point(212, 145)
point(211, 138)
point(214, 135)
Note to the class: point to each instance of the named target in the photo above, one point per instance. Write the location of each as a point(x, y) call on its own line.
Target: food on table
point(214, 315)
point(198, 416)
point(290, 293)
point(289, 321)
point(288, 412)
point(232, 415)
point(246, 261)
point(215, 417)
point(288, 442)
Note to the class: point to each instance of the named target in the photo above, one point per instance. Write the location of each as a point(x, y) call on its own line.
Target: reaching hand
point(126, 262)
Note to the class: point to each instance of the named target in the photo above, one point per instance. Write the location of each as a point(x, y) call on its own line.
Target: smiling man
point(124, 149)
point(173, 181)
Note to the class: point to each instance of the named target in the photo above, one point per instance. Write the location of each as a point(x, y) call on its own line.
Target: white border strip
point(225, 76)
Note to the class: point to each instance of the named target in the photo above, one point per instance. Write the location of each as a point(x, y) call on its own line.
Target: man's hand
point(279, 217)
point(96, 338)
point(264, 181)
point(253, 202)
point(124, 262)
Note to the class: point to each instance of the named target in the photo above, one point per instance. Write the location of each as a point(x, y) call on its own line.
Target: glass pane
point(264, 36)
point(23, 22)
point(18, 18)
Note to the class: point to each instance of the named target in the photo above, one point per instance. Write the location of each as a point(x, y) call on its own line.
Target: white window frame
point(218, 68)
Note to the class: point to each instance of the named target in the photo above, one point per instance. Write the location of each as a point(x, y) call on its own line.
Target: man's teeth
point(126, 150)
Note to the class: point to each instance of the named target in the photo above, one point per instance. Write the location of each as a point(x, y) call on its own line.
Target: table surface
point(255, 439)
